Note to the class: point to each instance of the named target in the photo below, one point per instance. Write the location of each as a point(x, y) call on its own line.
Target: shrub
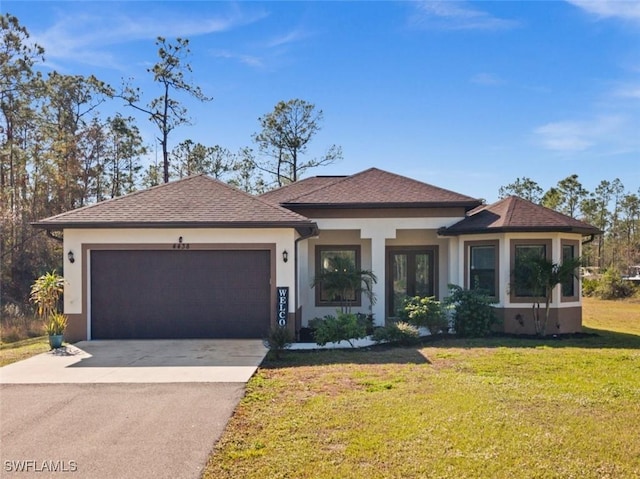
point(425, 312)
point(279, 339)
point(473, 313)
point(400, 332)
point(367, 320)
point(612, 286)
point(589, 286)
point(344, 327)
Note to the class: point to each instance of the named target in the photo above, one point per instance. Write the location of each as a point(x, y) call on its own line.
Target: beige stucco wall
point(77, 240)
point(374, 236)
point(569, 311)
point(519, 320)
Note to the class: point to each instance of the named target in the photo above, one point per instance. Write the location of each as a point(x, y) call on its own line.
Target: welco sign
point(283, 305)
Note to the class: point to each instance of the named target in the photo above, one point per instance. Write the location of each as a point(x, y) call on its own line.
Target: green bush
point(367, 320)
point(425, 312)
point(612, 286)
point(473, 313)
point(278, 340)
point(589, 286)
point(400, 332)
point(344, 327)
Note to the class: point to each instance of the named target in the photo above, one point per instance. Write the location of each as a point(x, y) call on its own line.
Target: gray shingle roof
point(374, 188)
point(195, 201)
point(514, 214)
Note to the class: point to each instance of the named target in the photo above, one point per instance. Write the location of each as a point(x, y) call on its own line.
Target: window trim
point(467, 263)
point(576, 280)
point(318, 265)
point(547, 243)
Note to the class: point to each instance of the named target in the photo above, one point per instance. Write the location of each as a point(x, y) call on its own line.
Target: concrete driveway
point(121, 409)
point(146, 361)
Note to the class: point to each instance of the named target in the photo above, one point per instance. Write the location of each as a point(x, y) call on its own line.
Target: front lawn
point(495, 408)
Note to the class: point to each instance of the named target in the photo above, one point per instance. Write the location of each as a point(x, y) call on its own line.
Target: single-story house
point(197, 258)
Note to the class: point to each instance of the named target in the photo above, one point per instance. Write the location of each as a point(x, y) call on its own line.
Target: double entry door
point(411, 271)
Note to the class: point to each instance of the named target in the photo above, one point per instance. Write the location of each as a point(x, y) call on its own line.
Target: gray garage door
point(179, 294)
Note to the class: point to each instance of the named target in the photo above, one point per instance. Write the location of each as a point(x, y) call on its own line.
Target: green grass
point(19, 350)
point(494, 408)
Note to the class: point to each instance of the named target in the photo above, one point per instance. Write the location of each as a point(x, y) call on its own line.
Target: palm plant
point(45, 294)
point(341, 279)
point(539, 276)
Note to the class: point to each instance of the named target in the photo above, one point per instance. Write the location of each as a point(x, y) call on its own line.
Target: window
point(571, 287)
point(330, 259)
point(521, 251)
point(482, 267)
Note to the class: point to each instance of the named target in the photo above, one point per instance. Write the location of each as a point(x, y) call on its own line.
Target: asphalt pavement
point(127, 410)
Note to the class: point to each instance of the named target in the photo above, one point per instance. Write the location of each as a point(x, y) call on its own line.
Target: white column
point(378, 267)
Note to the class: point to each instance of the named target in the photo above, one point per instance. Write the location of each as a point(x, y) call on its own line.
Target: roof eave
point(435, 204)
point(174, 224)
point(523, 229)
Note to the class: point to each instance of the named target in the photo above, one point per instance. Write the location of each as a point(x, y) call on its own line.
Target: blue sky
point(468, 96)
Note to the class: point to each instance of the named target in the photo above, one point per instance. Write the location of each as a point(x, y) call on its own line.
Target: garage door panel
point(180, 294)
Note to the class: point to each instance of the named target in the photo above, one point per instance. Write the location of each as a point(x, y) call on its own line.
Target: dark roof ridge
point(511, 205)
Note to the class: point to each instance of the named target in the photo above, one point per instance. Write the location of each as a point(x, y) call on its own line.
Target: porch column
point(378, 267)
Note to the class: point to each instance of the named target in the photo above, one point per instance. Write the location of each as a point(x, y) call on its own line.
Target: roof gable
point(196, 201)
point(513, 214)
point(377, 189)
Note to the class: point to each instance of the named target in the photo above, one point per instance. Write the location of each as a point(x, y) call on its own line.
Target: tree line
point(58, 151)
point(608, 207)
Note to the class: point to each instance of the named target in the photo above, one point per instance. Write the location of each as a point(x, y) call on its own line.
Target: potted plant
point(54, 327)
point(45, 294)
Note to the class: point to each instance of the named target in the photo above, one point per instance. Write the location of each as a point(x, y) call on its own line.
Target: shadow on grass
point(589, 339)
point(396, 354)
point(380, 354)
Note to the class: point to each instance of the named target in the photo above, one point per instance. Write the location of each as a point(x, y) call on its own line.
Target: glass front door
point(411, 273)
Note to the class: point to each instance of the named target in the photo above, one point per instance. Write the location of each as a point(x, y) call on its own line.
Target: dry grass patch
point(12, 352)
point(496, 408)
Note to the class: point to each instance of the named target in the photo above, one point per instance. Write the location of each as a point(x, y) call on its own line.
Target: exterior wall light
point(285, 256)
point(72, 258)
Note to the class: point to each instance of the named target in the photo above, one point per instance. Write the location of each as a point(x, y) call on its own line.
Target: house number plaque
point(282, 293)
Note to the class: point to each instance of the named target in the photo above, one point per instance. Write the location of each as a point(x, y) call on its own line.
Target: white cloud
point(487, 79)
point(87, 37)
point(628, 92)
point(576, 136)
point(456, 15)
point(267, 54)
point(624, 9)
point(287, 38)
point(250, 60)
